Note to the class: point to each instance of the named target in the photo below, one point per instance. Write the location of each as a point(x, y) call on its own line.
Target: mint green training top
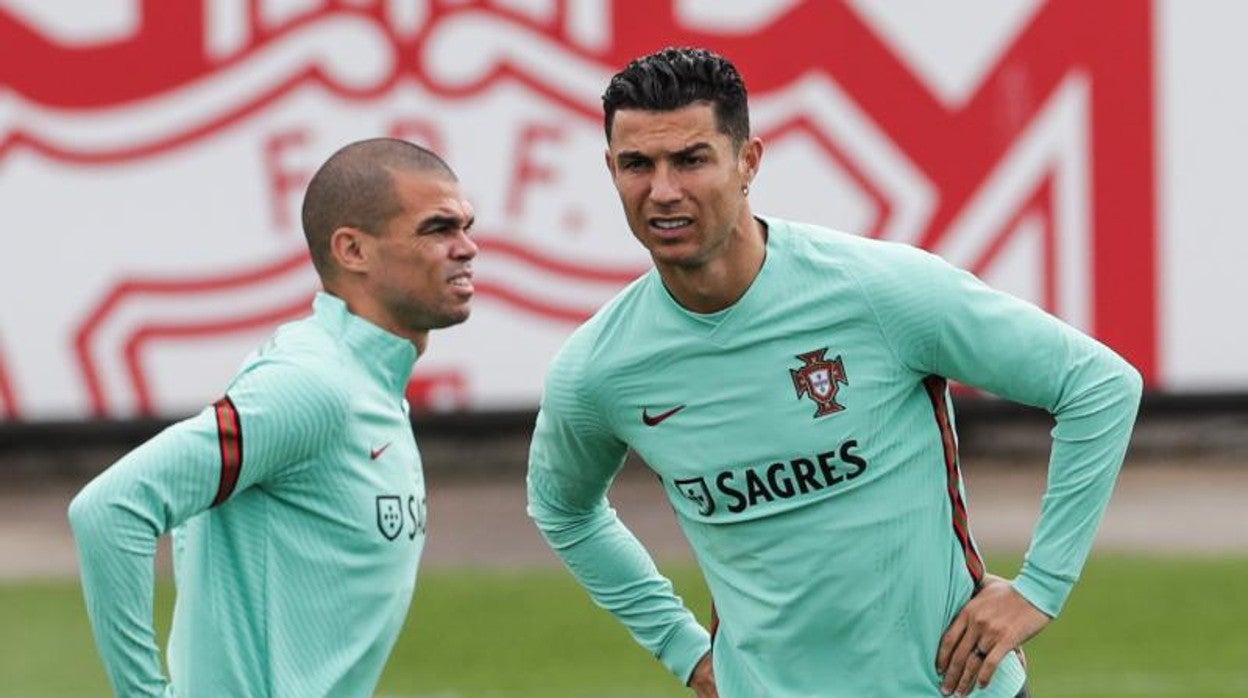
point(297, 506)
point(805, 439)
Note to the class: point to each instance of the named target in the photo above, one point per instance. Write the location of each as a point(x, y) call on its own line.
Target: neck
point(364, 306)
point(419, 339)
point(721, 281)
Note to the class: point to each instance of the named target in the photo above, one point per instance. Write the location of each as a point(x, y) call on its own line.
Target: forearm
point(116, 553)
point(1011, 348)
point(621, 577)
point(1089, 444)
point(116, 520)
point(573, 459)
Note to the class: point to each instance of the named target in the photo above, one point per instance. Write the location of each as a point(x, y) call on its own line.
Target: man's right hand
point(703, 680)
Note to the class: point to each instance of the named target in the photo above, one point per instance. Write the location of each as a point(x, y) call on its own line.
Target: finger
point(960, 661)
point(974, 661)
point(972, 669)
point(949, 641)
point(989, 668)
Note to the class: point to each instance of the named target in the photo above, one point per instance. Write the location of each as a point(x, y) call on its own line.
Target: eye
point(633, 165)
point(691, 160)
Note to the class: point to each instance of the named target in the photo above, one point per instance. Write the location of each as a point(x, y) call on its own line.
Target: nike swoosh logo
point(654, 421)
point(375, 453)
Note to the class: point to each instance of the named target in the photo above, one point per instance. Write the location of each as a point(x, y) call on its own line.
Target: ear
point(350, 248)
point(750, 158)
point(606, 154)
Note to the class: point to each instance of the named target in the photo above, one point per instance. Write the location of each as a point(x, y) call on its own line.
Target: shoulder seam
point(580, 384)
point(879, 321)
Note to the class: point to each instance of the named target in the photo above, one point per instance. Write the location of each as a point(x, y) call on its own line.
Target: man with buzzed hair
point(296, 501)
point(354, 188)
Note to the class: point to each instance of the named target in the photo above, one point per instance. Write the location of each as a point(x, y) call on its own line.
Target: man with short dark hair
point(789, 385)
point(296, 501)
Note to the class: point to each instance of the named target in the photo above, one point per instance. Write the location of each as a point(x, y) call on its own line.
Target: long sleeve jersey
point(297, 508)
point(805, 438)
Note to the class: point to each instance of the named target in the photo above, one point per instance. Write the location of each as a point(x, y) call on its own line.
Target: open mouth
point(670, 225)
point(461, 281)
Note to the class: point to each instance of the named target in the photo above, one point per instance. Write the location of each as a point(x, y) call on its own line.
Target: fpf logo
point(818, 378)
point(1042, 161)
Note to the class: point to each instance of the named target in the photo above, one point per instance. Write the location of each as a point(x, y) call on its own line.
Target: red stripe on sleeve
point(230, 442)
point(936, 386)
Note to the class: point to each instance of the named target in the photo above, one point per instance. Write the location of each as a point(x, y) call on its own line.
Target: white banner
point(1085, 156)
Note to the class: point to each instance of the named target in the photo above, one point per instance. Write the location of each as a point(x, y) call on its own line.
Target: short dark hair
point(677, 77)
point(355, 188)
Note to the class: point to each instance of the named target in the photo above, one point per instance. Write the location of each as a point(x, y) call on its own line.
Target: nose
point(465, 248)
point(664, 186)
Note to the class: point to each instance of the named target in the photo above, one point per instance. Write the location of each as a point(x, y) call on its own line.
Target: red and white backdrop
point(1084, 155)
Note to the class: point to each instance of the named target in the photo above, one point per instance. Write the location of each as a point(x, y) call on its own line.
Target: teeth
point(671, 223)
point(461, 281)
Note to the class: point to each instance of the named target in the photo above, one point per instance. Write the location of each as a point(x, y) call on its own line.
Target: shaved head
point(355, 189)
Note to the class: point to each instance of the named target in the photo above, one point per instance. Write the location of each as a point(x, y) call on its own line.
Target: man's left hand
point(703, 680)
point(995, 622)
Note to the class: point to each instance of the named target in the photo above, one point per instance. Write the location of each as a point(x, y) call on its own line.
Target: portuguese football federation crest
point(817, 378)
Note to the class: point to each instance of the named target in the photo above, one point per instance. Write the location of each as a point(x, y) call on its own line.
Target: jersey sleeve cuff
point(1045, 591)
point(685, 649)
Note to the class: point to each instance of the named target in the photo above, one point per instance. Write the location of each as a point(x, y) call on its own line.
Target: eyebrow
point(437, 221)
point(635, 154)
point(702, 145)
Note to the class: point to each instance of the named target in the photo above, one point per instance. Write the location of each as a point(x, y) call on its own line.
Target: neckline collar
point(713, 322)
point(385, 355)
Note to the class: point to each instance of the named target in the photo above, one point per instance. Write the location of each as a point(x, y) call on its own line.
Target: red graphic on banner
point(440, 390)
point(8, 396)
point(956, 148)
point(147, 331)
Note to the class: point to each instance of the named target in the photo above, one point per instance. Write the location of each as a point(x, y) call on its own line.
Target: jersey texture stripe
point(961, 525)
point(230, 440)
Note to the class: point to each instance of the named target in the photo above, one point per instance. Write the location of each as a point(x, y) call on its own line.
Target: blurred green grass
point(1136, 626)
